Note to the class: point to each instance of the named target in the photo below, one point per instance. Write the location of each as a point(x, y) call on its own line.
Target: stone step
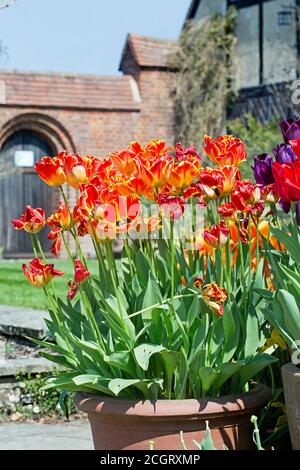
point(27, 365)
point(22, 322)
point(31, 436)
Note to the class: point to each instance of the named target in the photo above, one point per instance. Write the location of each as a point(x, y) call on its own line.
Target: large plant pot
point(291, 384)
point(129, 425)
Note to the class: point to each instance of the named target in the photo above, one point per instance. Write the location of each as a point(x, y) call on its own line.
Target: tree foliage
point(202, 85)
point(259, 138)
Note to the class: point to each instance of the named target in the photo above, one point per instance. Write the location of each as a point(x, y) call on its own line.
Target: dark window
point(285, 18)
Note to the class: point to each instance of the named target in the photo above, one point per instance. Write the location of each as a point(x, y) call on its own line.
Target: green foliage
point(146, 335)
point(259, 138)
point(202, 85)
point(284, 313)
point(37, 403)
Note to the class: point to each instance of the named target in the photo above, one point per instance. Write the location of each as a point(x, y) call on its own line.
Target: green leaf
point(143, 353)
point(93, 382)
point(181, 376)
point(208, 376)
point(250, 369)
point(162, 270)
point(122, 360)
point(116, 386)
point(290, 313)
point(225, 372)
point(207, 443)
point(231, 334)
point(152, 297)
point(194, 310)
point(170, 360)
point(61, 360)
point(252, 342)
point(288, 242)
point(201, 330)
point(142, 268)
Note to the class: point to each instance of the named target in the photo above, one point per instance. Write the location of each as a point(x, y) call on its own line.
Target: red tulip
point(244, 195)
point(51, 170)
point(217, 236)
point(59, 221)
point(80, 275)
point(40, 274)
point(32, 221)
point(287, 180)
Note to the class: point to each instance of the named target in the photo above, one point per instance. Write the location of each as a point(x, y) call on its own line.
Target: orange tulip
point(214, 296)
point(226, 150)
point(60, 221)
point(77, 170)
point(157, 174)
point(201, 191)
point(124, 162)
point(40, 274)
point(184, 172)
point(61, 218)
point(231, 174)
point(51, 170)
point(32, 221)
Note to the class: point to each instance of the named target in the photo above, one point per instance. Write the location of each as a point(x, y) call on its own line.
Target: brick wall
point(94, 115)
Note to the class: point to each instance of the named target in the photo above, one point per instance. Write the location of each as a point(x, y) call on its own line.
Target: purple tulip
point(290, 129)
point(263, 169)
point(298, 213)
point(285, 206)
point(284, 153)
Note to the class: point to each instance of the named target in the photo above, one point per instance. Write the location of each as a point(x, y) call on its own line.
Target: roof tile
point(150, 52)
point(69, 91)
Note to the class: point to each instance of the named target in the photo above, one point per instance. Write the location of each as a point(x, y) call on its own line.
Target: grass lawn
point(16, 290)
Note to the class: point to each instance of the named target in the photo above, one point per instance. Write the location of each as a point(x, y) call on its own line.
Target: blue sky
point(84, 36)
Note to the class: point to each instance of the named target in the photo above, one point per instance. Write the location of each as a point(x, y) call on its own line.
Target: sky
point(82, 36)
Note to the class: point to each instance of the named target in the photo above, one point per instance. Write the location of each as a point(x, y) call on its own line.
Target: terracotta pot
point(129, 425)
point(291, 385)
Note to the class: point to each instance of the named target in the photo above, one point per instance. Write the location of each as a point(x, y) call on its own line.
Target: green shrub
point(259, 138)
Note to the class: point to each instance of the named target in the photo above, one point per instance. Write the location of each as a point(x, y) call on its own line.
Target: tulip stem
point(40, 248)
point(295, 223)
point(172, 259)
point(257, 247)
point(67, 247)
point(240, 246)
point(127, 249)
point(163, 302)
point(33, 245)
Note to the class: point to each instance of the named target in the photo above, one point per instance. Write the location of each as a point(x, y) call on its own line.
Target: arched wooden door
point(19, 186)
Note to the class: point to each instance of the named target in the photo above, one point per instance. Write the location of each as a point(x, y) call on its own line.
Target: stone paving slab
point(22, 322)
point(26, 365)
point(31, 436)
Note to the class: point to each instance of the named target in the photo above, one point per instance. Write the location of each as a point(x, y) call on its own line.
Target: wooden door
point(20, 186)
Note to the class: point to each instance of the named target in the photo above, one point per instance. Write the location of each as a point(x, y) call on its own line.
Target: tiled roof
point(149, 52)
point(70, 91)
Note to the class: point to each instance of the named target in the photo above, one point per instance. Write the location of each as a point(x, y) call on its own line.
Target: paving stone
point(22, 322)
point(34, 365)
point(31, 436)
